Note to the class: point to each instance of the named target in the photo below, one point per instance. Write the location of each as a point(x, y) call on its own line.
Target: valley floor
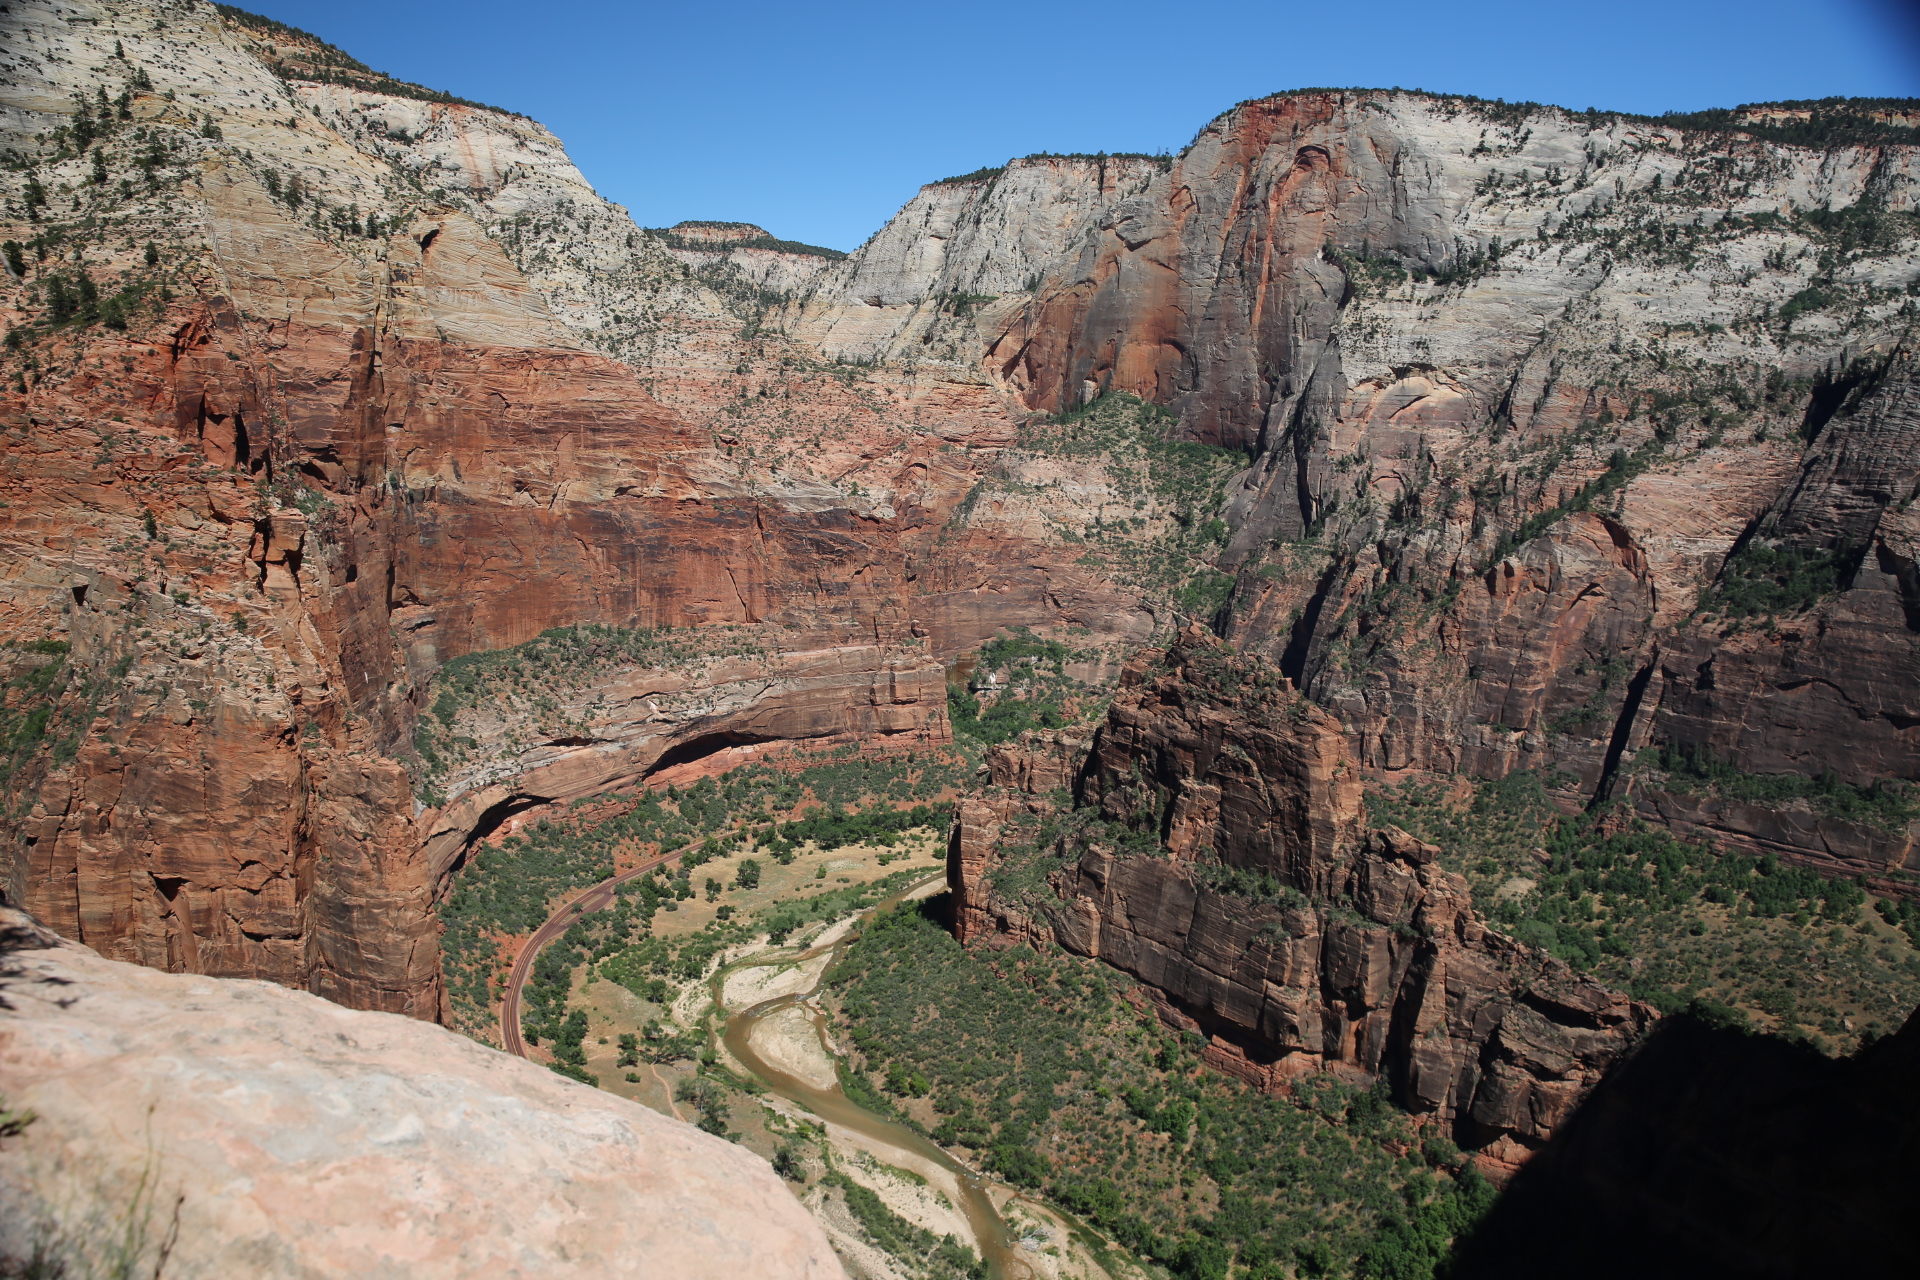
point(901, 1082)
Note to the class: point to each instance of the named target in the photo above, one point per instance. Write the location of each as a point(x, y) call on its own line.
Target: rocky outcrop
point(246, 1129)
point(1834, 691)
point(1215, 851)
point(751, 255)
point(637, 720)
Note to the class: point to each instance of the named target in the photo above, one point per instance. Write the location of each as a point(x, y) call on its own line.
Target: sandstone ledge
point(301, 1139)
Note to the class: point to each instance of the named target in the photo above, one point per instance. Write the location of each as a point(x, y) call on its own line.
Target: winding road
point(598, 898)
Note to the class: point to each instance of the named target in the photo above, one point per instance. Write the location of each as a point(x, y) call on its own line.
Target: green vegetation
point(1160, 530)
point(710, 1101)
point(992, 172)
point(929, 1257)
point(1033, 848)
point(47, 706)
point(1031, 689)
point(654, 968)
point(1765, 581)
point(29, 700)
point(833, 827)
point(1622, 467)
point(962, 304)
point(508, 887)
point(1137, 434)
point(674, 239)
point(986, 174)
point(1205, 594)
point(1368, 272)
point(1830, 123)
point(1812, 298)
point(1162, 160)
point(1676, 923)
point(655, 965)
point(73, 298)
point(63, 289)
point(342, 223)
point(1903, 914)
point(782, 921)
point(1037, 1063)
point(1884, 803)
point(544, 1013)
point(1008, 717)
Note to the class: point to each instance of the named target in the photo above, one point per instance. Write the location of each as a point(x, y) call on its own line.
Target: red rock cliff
point(1216, 853)
point(1519, 388)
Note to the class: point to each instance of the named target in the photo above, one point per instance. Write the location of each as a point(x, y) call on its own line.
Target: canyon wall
point(1527, 394)
point(373, 381)
point(961, 256)
point(1208, 840)
point(1714, 1151)
point(342, 440)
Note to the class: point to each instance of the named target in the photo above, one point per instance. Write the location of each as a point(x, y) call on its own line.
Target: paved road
point(598, 898)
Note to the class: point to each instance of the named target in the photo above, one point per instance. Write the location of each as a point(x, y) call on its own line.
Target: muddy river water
point(826, 1100)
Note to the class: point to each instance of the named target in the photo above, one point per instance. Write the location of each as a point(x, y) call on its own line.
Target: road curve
point(597, 898)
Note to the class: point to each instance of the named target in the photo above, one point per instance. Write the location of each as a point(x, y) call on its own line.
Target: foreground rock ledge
point(303, 1139)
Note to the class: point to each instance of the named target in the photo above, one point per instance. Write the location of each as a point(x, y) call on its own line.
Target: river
point(989, 1229)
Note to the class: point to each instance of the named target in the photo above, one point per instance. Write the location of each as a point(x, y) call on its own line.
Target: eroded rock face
point(1431, 326)
point(1836, 690)
point(264, 514)
point(245, 806)
point(450, 397)
point(301, 1139)
point(988, 239)
point(1264, 916)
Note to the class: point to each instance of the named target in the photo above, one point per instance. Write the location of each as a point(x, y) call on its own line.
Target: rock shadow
point(1714, 1152)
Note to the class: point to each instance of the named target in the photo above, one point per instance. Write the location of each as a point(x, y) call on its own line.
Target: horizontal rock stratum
point(270, 1133)
point(1215, 849)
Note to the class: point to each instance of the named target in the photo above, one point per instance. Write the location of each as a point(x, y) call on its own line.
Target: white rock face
point(300, 1139)
point(987, 242)
point(615, 287)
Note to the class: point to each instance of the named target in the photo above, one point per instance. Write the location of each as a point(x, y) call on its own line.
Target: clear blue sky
point(819, 120)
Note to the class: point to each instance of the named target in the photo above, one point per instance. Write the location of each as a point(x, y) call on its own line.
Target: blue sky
point(819, 120)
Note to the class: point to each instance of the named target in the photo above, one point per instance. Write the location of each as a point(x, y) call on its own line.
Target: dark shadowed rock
point(1712, 1152)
